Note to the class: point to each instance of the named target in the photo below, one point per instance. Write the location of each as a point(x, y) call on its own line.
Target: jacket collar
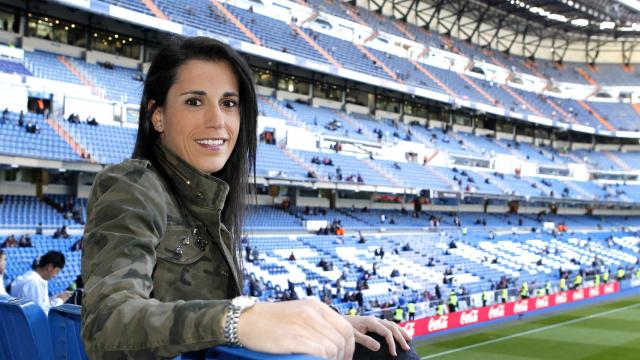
point(195, 187)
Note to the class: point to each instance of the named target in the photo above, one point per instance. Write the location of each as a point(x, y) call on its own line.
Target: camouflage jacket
point(150, 290)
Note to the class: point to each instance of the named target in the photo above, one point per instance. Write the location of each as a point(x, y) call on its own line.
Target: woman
point(162, 255)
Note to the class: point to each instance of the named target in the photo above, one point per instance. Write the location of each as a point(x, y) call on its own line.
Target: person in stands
point(10, 242)
point(34, 284)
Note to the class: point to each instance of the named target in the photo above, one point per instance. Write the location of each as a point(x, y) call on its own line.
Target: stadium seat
point(64, 323)
point(24, 331)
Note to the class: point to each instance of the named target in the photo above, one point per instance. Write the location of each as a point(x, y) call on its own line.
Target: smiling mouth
point(212, 145)
point(211, 142)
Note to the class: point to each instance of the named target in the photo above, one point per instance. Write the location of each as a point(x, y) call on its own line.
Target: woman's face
point(201, 115)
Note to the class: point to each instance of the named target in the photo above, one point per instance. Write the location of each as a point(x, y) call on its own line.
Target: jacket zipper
point(178, 172)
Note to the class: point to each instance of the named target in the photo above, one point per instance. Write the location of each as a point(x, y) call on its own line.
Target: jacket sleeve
point(126, 220)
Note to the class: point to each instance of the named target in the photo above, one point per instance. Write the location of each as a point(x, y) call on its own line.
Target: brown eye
point(193, 102)
point(229, 103)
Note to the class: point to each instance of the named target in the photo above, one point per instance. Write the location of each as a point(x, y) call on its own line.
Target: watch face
point(243, 301)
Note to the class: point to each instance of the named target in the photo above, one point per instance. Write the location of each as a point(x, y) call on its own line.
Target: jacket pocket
point(178, 246)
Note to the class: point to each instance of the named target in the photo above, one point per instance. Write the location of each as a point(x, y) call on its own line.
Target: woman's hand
point(297, 327)
point(391, 331)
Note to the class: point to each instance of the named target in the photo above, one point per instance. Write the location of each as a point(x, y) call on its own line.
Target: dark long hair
point(161, 76)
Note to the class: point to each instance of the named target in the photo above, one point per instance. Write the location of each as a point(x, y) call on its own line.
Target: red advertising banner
point(458, 319)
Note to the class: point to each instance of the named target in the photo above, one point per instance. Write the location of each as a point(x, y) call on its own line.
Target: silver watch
point(237, 306)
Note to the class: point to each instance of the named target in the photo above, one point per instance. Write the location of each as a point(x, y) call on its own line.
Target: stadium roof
point(557, 24)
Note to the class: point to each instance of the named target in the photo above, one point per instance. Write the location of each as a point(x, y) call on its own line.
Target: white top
point(31, 286)
point(2, 289)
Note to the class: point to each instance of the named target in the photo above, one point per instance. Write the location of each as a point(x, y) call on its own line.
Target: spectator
point(361, 238)
point(76, 213)
point(10, 242)
point(5, 115)
point(21, 119)
point(3, 265)
point(34, 284)
point(77, 287)
point(39, 228)
point(62, 232)
point(247, 249)
point(286, 203)
point(32, 128)
point(431, 262)
point(77, 246)
point(292, 257)
point(25, 241)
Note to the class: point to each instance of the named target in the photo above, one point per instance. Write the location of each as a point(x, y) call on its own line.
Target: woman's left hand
point(391, 331)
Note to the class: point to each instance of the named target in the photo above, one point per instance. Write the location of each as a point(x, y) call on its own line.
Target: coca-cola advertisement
point(497, 311)
point(438, 323)
point(542, 302)
point(561, 298)
point(611, 288)
point(521, 306)
point(469, 317)
point(433, 324)
point(577, 295)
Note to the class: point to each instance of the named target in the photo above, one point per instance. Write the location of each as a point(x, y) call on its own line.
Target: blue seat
point(24, 330)
point(64, 323)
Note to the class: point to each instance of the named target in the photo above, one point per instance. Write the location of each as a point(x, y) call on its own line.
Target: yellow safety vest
point(399, 314)
point(453, 299)
point(620, 273)
point(505, 293)
point(541, 292)
point(605, 276)
point(597, 280)
point(577, 280)
point(411, 308)
point(563, 284)
point(352, 312)
point(440, 309)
